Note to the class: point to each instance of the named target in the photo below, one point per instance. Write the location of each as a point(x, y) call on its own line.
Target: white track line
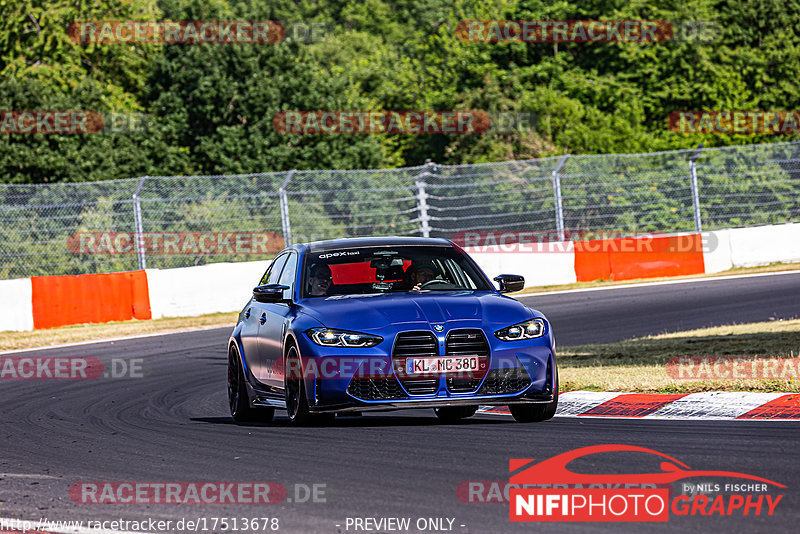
point(572, 402)
point(578, 402)
point(713, 405)
point(121, 338)
point(24, 475)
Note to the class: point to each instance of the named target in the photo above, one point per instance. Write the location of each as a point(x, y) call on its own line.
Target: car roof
point(357, 242)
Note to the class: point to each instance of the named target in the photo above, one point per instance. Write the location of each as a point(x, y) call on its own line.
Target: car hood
point(375, 312)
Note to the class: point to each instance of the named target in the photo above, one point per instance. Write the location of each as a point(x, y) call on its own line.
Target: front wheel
point(535, 413)
point(452, 414)
point(296, 400)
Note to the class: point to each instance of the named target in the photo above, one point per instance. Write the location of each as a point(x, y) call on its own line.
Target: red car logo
point(554, 470)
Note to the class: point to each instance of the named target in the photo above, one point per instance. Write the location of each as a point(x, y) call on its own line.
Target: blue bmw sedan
point(354, 325)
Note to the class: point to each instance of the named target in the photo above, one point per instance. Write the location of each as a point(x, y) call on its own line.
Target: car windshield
point(360, 271)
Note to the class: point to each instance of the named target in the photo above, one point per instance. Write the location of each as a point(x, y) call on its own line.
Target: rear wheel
point(296, 400)
point(452, 414)
point(238, 401)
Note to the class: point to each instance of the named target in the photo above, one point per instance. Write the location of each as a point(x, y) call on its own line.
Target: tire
point(238, 401)
point(453, 414)
point(296, 400)
point(535, 413)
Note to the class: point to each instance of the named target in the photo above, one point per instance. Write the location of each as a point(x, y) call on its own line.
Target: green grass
point(639, 365)
point(97, 332)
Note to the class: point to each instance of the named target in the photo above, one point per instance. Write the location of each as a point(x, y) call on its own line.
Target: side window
point(274, 271)
point(288, 275)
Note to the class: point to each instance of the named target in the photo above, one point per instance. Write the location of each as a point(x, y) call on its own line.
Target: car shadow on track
point(361, 421)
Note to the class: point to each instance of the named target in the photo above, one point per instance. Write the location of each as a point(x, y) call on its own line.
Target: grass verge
point(98, 332)
point(772, 268)
point(639, 365)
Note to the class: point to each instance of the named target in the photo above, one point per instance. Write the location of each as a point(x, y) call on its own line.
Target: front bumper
point(365, 379)
point(433, 403)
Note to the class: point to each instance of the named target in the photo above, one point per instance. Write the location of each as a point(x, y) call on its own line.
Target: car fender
point(301, 322)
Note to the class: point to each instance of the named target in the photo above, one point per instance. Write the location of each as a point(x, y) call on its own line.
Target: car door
point(255, 313)
point(272, 332)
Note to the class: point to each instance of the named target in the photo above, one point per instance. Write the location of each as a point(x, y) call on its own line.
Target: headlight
point(331, 337)
point(529, 329)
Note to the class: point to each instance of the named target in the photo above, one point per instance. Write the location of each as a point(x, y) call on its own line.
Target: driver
point(319, 280)
point(422, 275)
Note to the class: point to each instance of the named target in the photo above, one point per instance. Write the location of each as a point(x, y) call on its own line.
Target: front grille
point(366, 387)
point(508, 380)
point(467, 342)
point(415, 345)
point(375, 388)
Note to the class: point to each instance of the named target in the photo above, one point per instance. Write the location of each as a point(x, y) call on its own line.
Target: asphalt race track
point(172, 424)
point(610, 315)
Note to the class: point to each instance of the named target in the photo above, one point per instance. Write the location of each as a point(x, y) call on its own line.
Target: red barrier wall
point(638, 257)
point(89, 298)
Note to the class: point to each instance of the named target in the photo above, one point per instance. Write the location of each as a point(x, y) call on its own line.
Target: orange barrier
point(638, 257)
point(89, 298)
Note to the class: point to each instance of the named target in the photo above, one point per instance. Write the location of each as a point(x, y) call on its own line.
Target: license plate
point(447, 364)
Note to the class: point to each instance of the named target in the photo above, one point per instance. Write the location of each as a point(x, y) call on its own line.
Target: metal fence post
point(422, 200)
point(698, 227)
point(557, 194)
point(286, 225)
point(137, 215)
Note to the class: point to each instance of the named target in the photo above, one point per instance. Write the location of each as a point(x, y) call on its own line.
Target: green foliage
point(211, 109)
point(35, 44)
point(213, 104)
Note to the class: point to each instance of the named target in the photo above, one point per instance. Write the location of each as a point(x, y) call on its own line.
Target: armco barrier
point(48, 301)
point(89, 298)
point(16, 306)
point(761, 245)
point(549, 264)
point(190, 291)
point(717, 251)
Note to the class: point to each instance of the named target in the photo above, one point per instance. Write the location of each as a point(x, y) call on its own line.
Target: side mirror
point(269, 293)
point(510, 283)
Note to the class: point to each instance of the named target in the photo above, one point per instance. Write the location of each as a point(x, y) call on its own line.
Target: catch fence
point(177, 221)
